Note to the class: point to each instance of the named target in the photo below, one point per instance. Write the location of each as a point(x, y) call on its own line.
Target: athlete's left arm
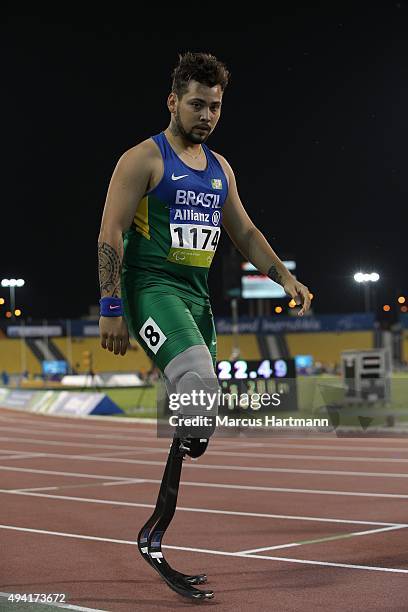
point(253, 245)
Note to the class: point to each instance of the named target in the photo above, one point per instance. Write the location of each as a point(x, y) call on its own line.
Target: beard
point(192, 137)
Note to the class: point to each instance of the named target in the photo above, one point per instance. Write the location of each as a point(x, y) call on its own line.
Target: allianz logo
point(186, 214)
point(209, 200)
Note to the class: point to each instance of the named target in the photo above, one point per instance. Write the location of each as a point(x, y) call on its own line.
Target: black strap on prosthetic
point(151, 535)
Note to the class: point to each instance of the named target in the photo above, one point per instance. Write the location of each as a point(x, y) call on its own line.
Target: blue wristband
point(111, 307)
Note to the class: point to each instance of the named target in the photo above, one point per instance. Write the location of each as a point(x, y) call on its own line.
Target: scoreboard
point(249, 379)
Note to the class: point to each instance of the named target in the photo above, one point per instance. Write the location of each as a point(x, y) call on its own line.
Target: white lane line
point(23, 456)
point(238, 468)
point(91, 500)
point(105, 455)
point(322, 458)
point(87, 418)
point(328, 564)
point(211, 451)
point(33, 489)
point(152, 450)
point(85, 426)
point(12, 452)
point(124, 480)
point(55, 473)
point(76, 486)
point(129, 481)
point(336, 445)
point(80, 444)
point(39, 418)
point(165, 450)
point(212, 552)
point(56, 605)
point(110, 454)
point(342, 536)
point(284, 489)
point(40, 422)
point(219, 444)
point(41, 431)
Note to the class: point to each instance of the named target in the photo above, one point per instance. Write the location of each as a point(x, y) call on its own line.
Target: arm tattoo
point(110, 264)
point(275, 275)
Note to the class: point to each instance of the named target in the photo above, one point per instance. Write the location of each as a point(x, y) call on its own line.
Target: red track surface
point(332, 487)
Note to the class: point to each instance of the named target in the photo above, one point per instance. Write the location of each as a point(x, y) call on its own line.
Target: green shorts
point(166, 324)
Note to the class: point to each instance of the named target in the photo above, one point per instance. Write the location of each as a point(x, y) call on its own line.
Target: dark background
point(314, 125)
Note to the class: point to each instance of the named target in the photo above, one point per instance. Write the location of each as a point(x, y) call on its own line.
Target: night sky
point(314, 124)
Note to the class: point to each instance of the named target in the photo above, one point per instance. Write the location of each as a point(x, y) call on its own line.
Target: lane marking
point(342, 536)
point(337, 443)
point(110, 454)
point(221, 452)
point(40, 423)
point(212, 552)
point(41, 431)
point(22, 456)
point(35, 489)
point(124, 480)
point(85, 418)
point(77, 486)
point(322, 458)
point(59, 443)
point(108, 502)
point(53, 472)
point(205, 466)
point(211, 451)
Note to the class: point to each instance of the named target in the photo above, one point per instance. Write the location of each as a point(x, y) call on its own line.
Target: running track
point(280, 524)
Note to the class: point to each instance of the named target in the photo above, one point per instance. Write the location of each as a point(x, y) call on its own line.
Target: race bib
point(194, 236)
point(152, 335)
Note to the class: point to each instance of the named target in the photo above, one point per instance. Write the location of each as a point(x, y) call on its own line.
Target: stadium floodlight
point(361, 277)
point(366, 279)
point(12, 283)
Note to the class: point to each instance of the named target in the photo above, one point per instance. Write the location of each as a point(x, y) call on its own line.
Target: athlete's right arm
point(128, 184)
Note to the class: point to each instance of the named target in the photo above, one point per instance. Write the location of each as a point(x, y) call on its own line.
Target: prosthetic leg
point(188, 372)
point(151, 535)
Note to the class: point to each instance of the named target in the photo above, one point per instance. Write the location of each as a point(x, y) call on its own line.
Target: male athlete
point(166, 203)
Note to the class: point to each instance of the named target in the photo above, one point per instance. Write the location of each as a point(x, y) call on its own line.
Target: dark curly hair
point(201, 67)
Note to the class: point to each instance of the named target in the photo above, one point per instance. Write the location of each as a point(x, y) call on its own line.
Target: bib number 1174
point(195, 237)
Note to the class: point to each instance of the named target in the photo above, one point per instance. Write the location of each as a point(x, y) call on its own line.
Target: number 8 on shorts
point(152, 335)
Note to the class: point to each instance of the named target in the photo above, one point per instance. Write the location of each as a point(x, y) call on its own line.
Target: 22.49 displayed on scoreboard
point(249, 380)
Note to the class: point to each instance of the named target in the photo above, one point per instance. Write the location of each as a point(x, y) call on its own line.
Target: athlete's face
point(197, 112)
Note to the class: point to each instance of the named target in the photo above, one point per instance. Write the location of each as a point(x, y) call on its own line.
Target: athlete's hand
point(300, 293)
point(114, 334)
